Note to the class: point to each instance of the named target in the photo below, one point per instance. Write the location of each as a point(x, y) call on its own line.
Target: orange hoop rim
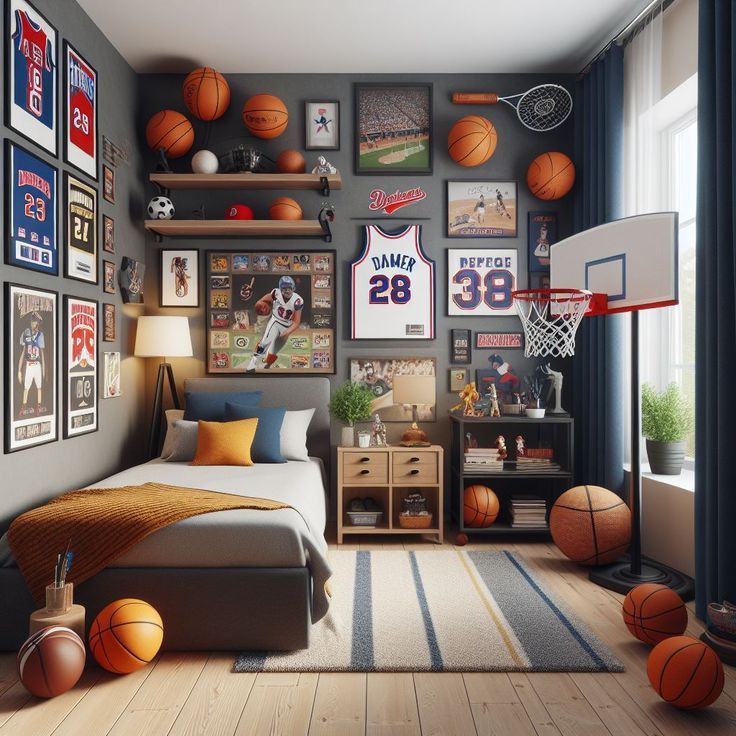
point(570, 295)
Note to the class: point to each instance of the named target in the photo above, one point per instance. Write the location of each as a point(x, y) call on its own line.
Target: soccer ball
point(161, 208)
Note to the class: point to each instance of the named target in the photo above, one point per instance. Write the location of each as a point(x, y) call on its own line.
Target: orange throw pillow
point(225, 443)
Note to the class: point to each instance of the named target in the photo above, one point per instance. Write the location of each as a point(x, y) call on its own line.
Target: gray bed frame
point(232, 608)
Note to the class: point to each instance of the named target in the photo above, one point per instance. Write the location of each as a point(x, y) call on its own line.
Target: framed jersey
point(393, 287)
point(480, 282)
point(80, 240)
point(31, 61)
point(80, 112)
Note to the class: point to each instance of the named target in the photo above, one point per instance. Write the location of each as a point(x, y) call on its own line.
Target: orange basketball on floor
point(171, 131)
point(685, 672)
point(472, 140)
point(480, 506)
point(290, 162)
point(285, 208)
point(265, 116)
point(551, 175)
point(126, 635)
point(51, 661)
point(654, 612)
point(206, 93)
point(590, 525)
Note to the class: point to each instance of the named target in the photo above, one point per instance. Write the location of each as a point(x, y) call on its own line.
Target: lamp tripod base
point(619, 577)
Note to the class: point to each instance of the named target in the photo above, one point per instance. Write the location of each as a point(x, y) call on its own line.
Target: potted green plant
point(666, 421)
point(351, 403)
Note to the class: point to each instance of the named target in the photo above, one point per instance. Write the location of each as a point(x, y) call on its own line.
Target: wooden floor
point(197, 694)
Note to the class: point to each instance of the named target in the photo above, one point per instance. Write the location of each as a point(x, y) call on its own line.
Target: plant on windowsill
point(351, 403)
point(666, 419)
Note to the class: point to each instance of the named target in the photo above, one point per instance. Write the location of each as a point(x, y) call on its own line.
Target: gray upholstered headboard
point(297, 392)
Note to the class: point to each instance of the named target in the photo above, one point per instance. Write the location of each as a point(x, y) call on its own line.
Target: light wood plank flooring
point(196, 694)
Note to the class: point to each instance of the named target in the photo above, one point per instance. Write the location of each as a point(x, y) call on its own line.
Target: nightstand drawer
point(414, 467)
point(365, 467)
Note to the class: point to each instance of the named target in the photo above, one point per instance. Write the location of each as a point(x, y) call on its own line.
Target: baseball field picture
point(394, 129)
point(481, 209)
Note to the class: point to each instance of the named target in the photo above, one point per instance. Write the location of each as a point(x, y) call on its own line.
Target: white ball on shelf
point(205, 162)
point(161, 208)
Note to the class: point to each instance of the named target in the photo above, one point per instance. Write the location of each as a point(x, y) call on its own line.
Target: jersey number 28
point(399, 288)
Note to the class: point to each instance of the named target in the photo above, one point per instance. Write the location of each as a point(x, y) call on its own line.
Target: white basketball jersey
point(393, 287)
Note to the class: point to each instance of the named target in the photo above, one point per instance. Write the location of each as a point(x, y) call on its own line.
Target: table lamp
point(161, 337)
point(414, 391)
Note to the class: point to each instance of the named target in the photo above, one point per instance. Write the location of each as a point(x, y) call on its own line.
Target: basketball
point(290, 162)
point(206, 93)
point(472, 140)
point(480, 506)
point(551, 175)
point(285, 208)
point(51, 661)
point(262, 308)
point(653, 613)
point(685, 672)
point(590, 525)
point(171, 131)
point(265, 116)
point(126, 635)
point(239, 212)
point(461, 539)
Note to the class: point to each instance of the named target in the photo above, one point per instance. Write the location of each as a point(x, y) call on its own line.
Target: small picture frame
point(108, 184)
point(109, 319)
point(460, 346)
point(499, 340)
point(108, 280)
point(108, 234)
point(458, 378)
point(81, 232)
point(81, 141)
point(482, 209)
point(130, 279)
point(179, 278)
point(322, 125)
point(542, 234)
point(110, 375)
point(539, 281)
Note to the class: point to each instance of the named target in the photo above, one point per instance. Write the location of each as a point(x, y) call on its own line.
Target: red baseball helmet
point(239, 212)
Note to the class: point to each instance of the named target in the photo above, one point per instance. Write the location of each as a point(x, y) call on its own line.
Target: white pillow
point(172, 415)
point(294, 434)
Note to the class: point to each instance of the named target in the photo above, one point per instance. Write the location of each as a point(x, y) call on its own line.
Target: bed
point(230, 580)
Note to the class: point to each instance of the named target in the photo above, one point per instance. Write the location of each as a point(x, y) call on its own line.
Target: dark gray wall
point(32, 476)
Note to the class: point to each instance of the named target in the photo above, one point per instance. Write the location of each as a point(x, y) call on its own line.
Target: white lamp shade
point(158, 337)
point(414, 390)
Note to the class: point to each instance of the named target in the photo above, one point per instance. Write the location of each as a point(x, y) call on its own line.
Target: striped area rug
point(441, 611)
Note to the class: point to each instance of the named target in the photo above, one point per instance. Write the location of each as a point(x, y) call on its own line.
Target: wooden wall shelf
point(237, 228)
point(247, 180)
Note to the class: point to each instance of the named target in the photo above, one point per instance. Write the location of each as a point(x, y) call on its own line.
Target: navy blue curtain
point(715, 470)
point(598, 395)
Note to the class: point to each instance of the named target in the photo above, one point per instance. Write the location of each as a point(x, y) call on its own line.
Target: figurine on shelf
point(470, 442)
point(502, 453)
point(494, 410)
point(468, 397)
point(323, 166)
point(520, 446)
point(378, 432)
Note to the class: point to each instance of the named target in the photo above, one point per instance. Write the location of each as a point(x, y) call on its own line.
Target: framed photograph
point(539, 281)
point(30, 211)
point(481, 209)
point(322, 125)
point(179, 278)
point(458, 378)
point(542, 234)
point(460, 346)
point(393, 128)
point(502, 374)
point(377, 374)
point(499, 340)
point(108, 184)
point(271, 312)
point(131, 280)
point(31, 329)
point(110, 375)
point(108, 234)
point(80, 112)
point(480, 282)
point(31, 60)
point(109, 319)
point(80, 242)
point(80, 366)
point(108, 284)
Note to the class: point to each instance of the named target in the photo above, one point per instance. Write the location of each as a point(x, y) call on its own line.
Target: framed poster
point(460, 346)
point(30, 211)
point(31, 60)
point(108, 184)
point(80, 366)
point(271, 311)
point(80, 112)
point(458, 378)
point(108, 234)
point(179, 278)
point(499, 340)
point(502, 374)
point(80, 210)
point(131, 280)
point(109, 318)
point(377, 375)
point(393, 132)
point(480, 282)
point(110, 375)
point(542, 234)
point(322, 125)
point(108, 277)
point(481, 209)
point(31, 329)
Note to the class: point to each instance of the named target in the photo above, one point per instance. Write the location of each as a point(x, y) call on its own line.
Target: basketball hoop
point(551, 318)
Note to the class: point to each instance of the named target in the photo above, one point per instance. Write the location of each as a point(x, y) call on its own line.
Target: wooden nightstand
point(388, 475)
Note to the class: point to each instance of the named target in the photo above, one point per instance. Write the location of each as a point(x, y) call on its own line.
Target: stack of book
point(537, 460)
point(527, 512)
point(478, 458)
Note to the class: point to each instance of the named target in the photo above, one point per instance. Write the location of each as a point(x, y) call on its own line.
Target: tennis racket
point(541, 108)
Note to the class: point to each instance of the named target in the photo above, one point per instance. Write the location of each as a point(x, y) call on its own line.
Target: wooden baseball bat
point(474, 98)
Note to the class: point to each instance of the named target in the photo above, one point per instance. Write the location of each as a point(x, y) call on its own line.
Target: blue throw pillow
point(210, 405)
point(266, 447)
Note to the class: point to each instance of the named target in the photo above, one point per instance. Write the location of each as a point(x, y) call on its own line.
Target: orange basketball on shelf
point(285, 208)
point(51, 661)
point(472, 140)
point(654, 612)
point(206, 93)
point(685, 672)
point(590, 525)
point(290, 162)
point(171, 131)
point(551, 175)
point(480, 506)
point(265, 116)
point(126, 635)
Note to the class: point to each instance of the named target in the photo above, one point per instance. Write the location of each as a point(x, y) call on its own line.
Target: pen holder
point(59, 599)
point(60, 610)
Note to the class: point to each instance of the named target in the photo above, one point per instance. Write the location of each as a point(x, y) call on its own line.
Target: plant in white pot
point(666, 420)
point(349, 404)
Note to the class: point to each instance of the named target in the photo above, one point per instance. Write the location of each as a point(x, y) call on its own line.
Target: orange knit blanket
point(104, 523)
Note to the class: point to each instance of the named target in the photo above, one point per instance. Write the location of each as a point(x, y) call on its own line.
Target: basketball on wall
point(285, 208)
point(265, 116)
point(590, 525)
point(551, 175)
point(290, 162)
point(472, 140)
point(51, 661)
point(206, 93)
point(171, 131)
point(480, 506)
point(126, 635)
point(654, 612)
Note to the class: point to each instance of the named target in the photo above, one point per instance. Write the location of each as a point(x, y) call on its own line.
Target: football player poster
point(80, 111)
point(80, 366)
point(31, 334)
point(81, 230)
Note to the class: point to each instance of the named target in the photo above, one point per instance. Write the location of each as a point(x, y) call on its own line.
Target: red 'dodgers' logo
point(391, 202)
